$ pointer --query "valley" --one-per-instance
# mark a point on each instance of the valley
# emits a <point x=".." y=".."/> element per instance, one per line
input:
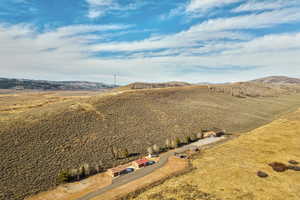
<point x="38" y="142"/>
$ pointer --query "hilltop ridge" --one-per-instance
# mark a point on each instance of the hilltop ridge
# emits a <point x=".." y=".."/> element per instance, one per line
<point x="20" y="84"/>
<point x="144" y="85"/>
<point x="277" y="80"/>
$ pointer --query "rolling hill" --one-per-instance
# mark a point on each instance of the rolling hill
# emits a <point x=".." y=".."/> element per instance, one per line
<point x="141" y="85"/>
<point x="40" y="142"/>
<point x="21" y="84"/>
<point x="278" y="80"/>
<point x="229" y="170"/>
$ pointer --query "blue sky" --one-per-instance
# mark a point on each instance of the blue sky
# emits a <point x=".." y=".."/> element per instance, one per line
<point x="149" y="40"/>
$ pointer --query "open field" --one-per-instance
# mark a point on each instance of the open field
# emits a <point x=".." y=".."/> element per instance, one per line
<point x="13" y="102"/>
<point x="39" y="142"/>
<point x="75" y="190"/>
<point x="228" y="171"/>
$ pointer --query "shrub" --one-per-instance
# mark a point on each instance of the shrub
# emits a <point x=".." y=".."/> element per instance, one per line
<point x="64" y="177"/>
<point x="278" y="167"/>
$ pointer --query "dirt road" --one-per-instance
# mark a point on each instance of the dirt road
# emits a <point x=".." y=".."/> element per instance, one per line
<point x="147" y="170"/>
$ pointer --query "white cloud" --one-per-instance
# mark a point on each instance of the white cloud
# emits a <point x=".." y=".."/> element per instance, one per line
<point x="180" y="40"/>
<point x="211" y="30"/>
<point x="179" y="10"/>
<point x="269" y="43"/>
<point x="100" y="8"/>
<point x="204" y="5"/>
<point x="255" y="5"/>
<point x="253" y="21"/>
<point x="66" y="51"/>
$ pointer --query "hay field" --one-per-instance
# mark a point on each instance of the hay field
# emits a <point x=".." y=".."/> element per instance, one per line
<point x="228" y="171"/>
<point x="37" y="143"/>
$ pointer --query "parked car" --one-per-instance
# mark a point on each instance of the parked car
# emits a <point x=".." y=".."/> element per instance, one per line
<point x="151" y="162"/>
<point x="127" y="170"/>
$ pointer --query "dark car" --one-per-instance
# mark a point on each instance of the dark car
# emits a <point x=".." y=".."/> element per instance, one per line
<point x="127" y="171"/>
<point x="151" y="162"/>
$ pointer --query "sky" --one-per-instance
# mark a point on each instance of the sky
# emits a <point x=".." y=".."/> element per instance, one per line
<point x="149" y="40"/>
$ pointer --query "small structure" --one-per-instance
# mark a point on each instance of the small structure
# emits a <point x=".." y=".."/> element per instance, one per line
<point x="214" y="132"/>
<point x="140" y="163"/>
<point x="117" y="171"/>
<point x="152" y="155"/>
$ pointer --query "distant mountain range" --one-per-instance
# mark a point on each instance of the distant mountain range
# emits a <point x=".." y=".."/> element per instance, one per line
<point x="277" y="80"/>
<point x="20" y="84"/>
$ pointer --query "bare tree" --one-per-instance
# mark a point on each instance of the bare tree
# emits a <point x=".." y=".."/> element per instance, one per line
<point x="150" y="150"/>
<point x="187" y="139"/>
<point x="156" y="148"/>
<point x="124" y="153"/>
<point x="81" y="173"/>
<point x="168" y="143"/>
<point x="87" y="169"/>
<point x="178" y="141"/>
<point x="193" y="137"/>
<point x="74" y="174"/>
<point x="175" y="143"/>
<point x="114" y="151"/>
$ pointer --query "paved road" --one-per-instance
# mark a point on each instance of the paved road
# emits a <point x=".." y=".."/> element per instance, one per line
<point x="122" y="180"/>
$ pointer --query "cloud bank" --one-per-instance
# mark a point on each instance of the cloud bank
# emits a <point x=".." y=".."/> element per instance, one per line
<point x="222" y="48"/>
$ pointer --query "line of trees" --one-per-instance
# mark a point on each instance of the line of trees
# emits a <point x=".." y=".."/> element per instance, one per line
<point x="77" y="174"/>
<point x="86" y="170"/>
<point x="175" y="143"/>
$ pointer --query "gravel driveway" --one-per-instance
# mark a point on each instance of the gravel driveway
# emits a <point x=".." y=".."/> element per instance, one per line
<point x="122" y="180"/>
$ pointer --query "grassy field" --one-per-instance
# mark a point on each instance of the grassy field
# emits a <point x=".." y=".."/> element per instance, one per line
<point x="228" y="171"/>
<point x="37" y="142"/>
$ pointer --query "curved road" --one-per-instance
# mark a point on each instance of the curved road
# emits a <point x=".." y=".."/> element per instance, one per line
<point x="122" y="180"/>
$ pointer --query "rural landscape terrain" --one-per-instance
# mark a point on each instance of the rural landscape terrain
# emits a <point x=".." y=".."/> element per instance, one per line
<point x="229" y="170"/>
<point x="45" y="132"/>
<point x="149" y="100"/>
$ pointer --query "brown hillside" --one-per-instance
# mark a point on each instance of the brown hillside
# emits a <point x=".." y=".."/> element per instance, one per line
<point x="140" y="85"/>
<point x="229" y="170"/>
<point x="38" y="143"/>
<point x="278" y="80"/>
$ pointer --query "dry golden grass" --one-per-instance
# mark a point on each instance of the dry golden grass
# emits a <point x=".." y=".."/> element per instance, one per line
<point x="75" y="190"/>
<point x="228" y="171"/>
<point x="40" y="142"/>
